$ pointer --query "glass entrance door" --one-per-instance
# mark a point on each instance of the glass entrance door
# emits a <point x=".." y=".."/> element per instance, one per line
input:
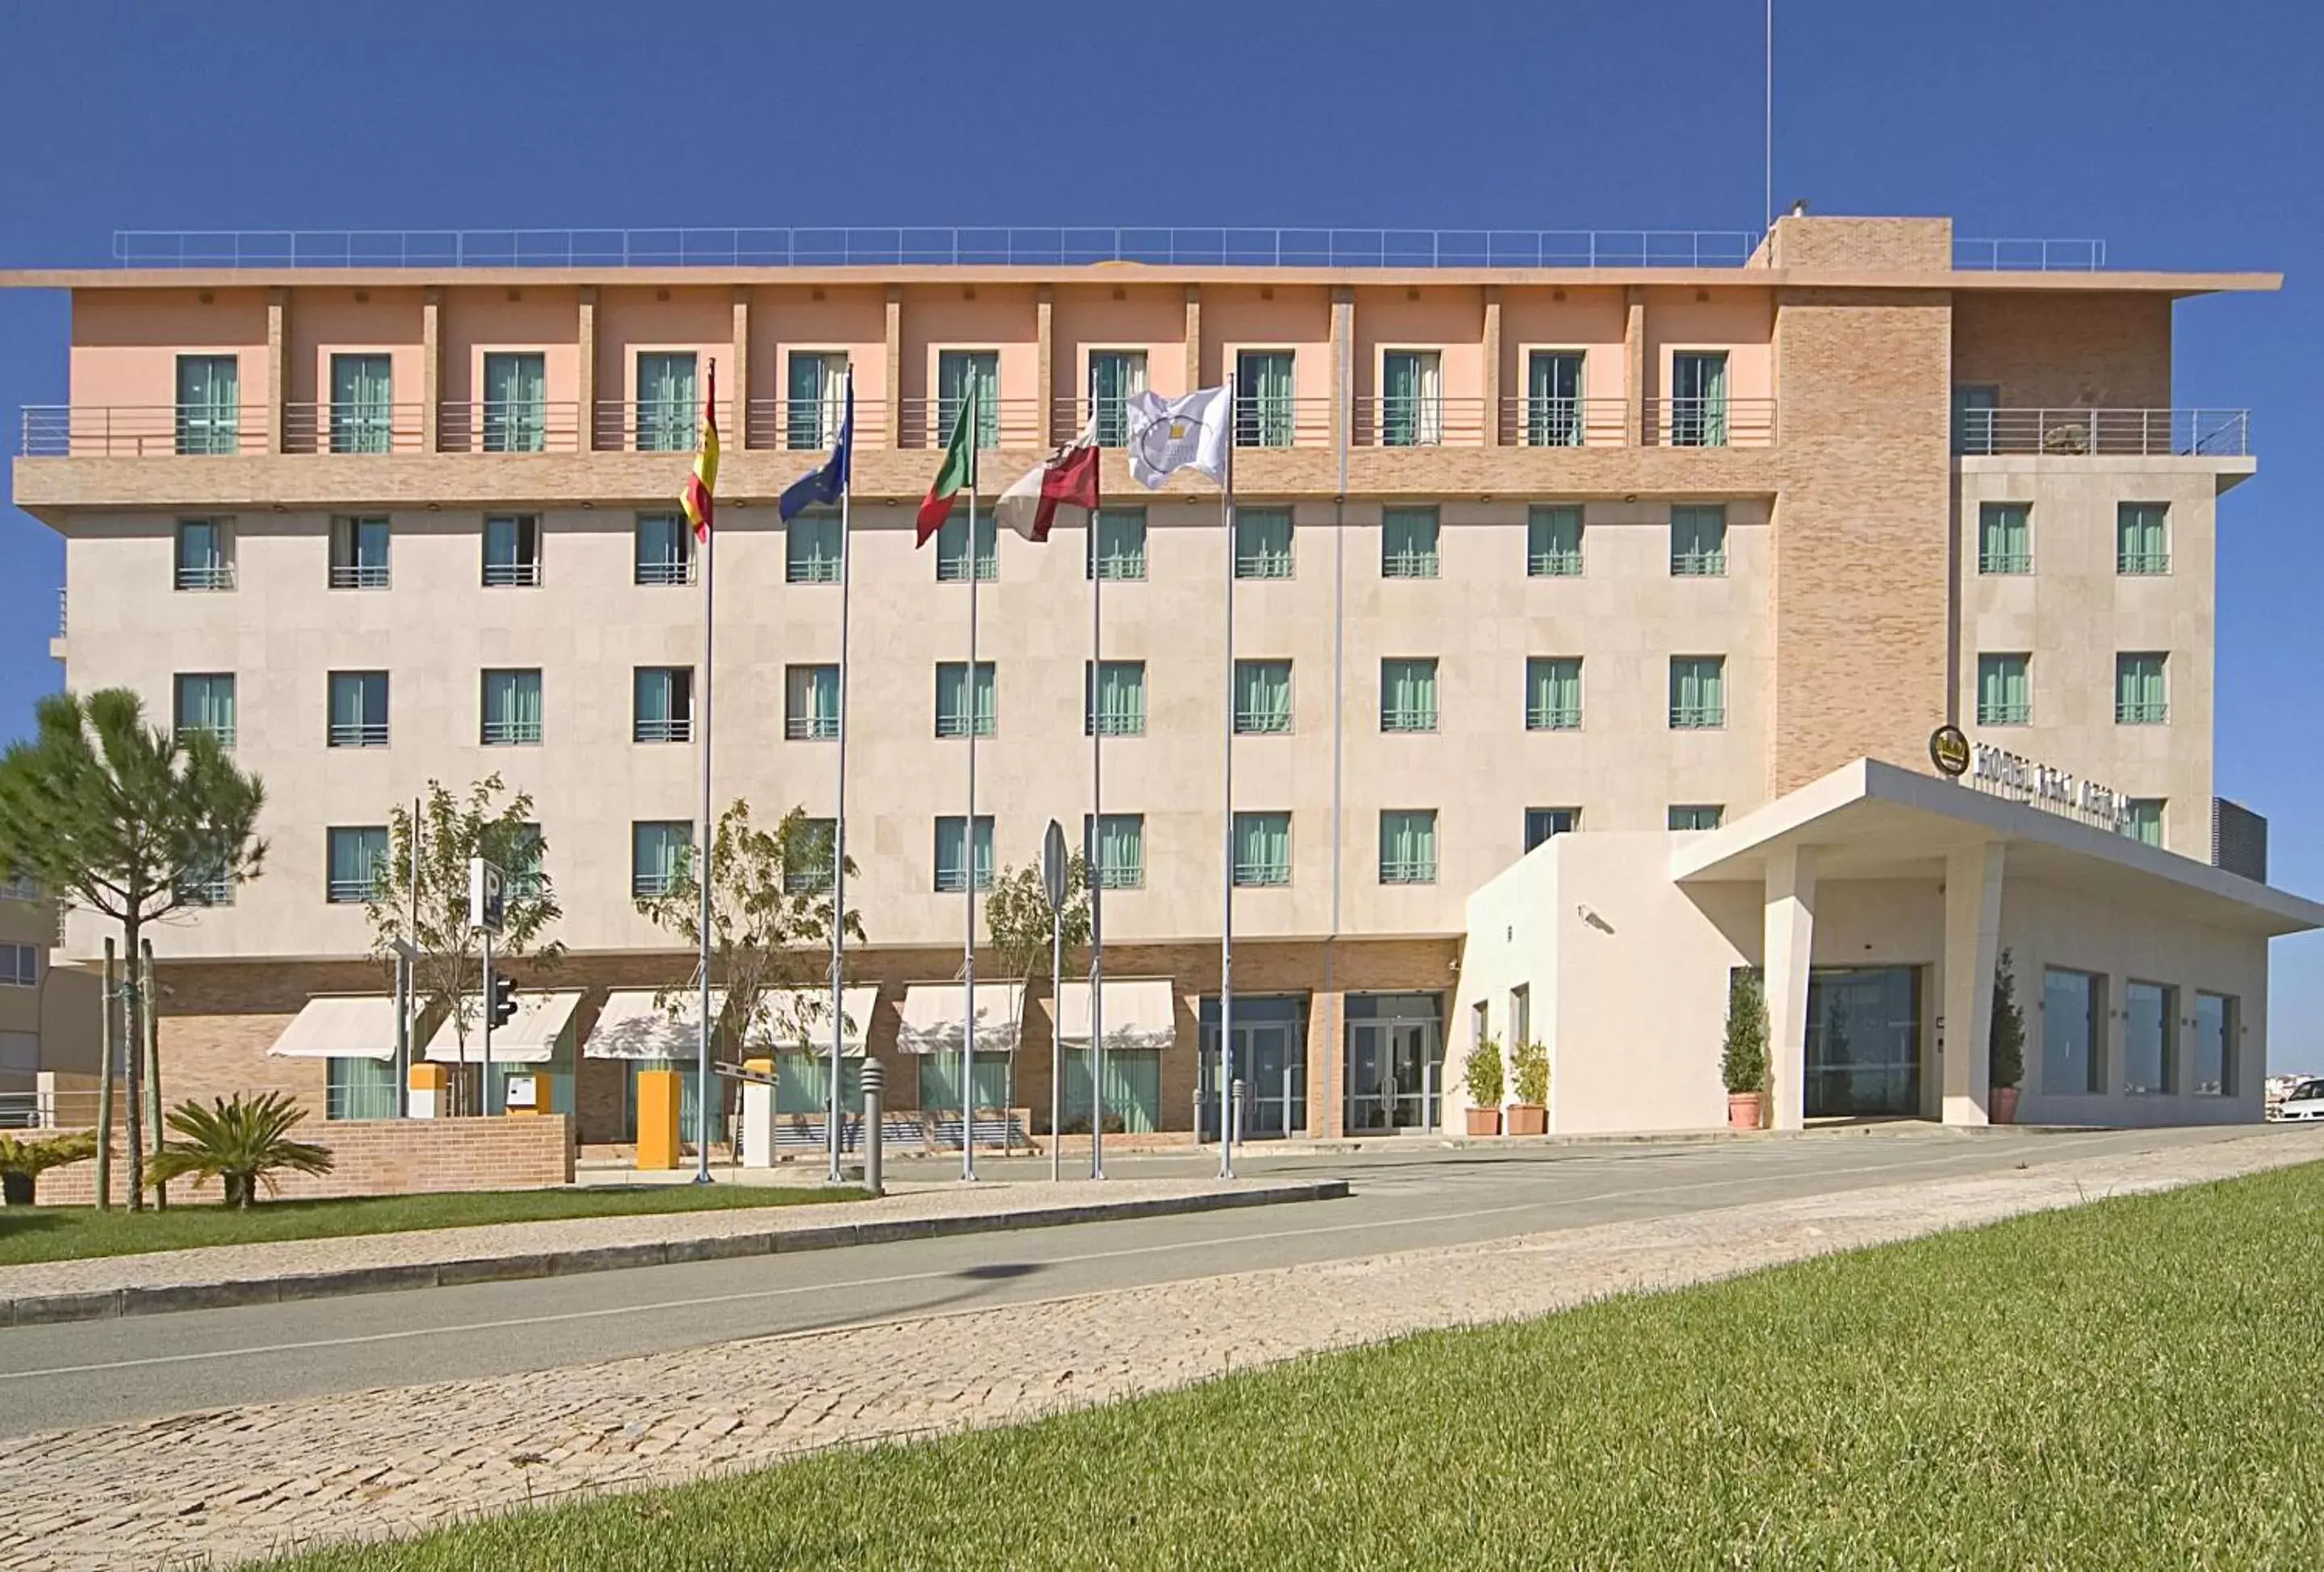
<point x="1395" y="1062"/>
<point x="1864" y="1042"/>
<point x="1271" y="1059"/>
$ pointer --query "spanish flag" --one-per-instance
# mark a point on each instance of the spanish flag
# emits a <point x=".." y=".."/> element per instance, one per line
<point x="704" y="481"/>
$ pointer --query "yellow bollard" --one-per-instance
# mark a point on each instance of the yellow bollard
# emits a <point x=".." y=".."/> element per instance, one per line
<point x="428" y="1083"/>
<point x="659" y="1094"/>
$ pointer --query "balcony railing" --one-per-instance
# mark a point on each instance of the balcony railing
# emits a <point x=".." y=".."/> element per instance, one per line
<point x="664" y="571"/>
<point x="358" y="735"/>
<point x="1530" y="422"/>
<point x="359" y="576"/>
<point x="1407" y="870"/>
<point x="2104" y="433"/>
<point x="142" y="431"/>
<point x="674" y="729"/>
<point x="365" y="428"/>
<point x="500" y="575"/>
<point x="1709" y="423"/>
<point x="809" y="425"/>
<point x="1408" y="718"/>
<point x="811" y="727"/>
<point x="509" y="426"/>
<point x="511" y="733"/>
<point x="205" y="575"/>
<point x="1002" y="423"/>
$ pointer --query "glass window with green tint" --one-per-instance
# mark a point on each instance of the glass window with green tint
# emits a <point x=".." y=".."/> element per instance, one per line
<point x="209" y="404"/>
<point x="810" y="869"/>
<point x="512" y="708"/>
<point x="1118" y="545"/>
<point x="2142" y="539"/>
<point x="1264" y="410"/>
<point x="1262" y="543"/>
<point x="662" y="704"/>
<point x="661" y="850"/>
<point x="960" y="373"/>
<point x="1697" y="541"/>
<point x="359" y="1088"/>
<point x="513" y="552"/>
<point x="1553" y="399"/>
<point x="358" y="709"/>
<point x="803" y="1083"/>
<point x="2005" y="538"/>
<point x="1698" y="405"/>
<point x="1114" y="698"/>
<point x="2149" y="1039"/>
<point x="2143" y="820"/>
<point x="1262" y="849"/>
<point x="1262" y="701"/>
<point x="665" y="410"/>
<point x="665" y="549"/>
<point x="1553" y="542"/>
<point x="953" y="707"/>
<point x="811" y="703"/>
<point x="359" y="554"/>
<point x="524" y="857"/>
<point x="1408" y="694"/>
<point x="204" y="703"/>
<point x="1698" y="692"/>
<point x="1115" y="844"/>
<point x="1553" y="693"/>
<point x="2005" y="690"/>
<point x="1542" y="823"/>
<point x="952" y="550"/>
<point x="1974" y="406"/>
<point x="2213" y="1047"/>
<point x="1696" y="815"/>
<point x="357" y="858"/>
<point x="205" y="555"/>
<point x="1408" y="846"/>
<point x="952" y="855"/>
<point x="939" y="1080"/>
<point x="2140" y="695"/>
<point x="1412" y="400"/>
<point x="363" y="404"/>
<point x="1133" y="1091"/>
<point x="1116" y="374"/>
<point x="811" y="546"/>
<point x="1409" y="543"/>
<point x="515" y="412"/>
<point x="818" y="404"/>
<point x="2073" y="1033"/>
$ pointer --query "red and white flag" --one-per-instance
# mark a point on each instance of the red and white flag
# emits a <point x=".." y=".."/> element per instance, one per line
<point x="1068" y="478"/>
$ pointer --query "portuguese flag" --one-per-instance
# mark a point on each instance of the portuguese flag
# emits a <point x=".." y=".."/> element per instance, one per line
<point x="957" y="474"/>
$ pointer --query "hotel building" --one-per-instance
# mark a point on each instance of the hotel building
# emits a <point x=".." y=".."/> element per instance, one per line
<point x="1593" y="617"/>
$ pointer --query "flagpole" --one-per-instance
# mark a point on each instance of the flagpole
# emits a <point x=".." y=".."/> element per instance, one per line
<point x="703" y="876"/>
<point x="839" y="808"/>
<point x="968" y="842"/>
<point x="1226" y="932"/>
<point x="1097" y="827"/>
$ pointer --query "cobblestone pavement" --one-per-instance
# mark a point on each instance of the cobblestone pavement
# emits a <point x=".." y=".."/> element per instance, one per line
<point x="248" y="1482"/>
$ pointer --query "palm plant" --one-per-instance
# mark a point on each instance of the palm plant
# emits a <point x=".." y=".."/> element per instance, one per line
<point x="240" y="1144"/>
<point x="21" y="1163"/>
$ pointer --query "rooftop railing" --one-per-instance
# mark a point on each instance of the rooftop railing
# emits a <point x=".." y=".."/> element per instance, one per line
<point x="2120" y="433"/>
<point x="2030" y="256"/>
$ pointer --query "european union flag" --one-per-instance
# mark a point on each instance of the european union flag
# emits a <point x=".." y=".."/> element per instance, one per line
<point x="823" y="487"/>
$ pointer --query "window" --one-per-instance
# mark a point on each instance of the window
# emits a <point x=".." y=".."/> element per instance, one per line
<point x="2004" y="538"/>
<point x="20" y="966"/>
<point x="1553" y="693"/>
<point x="665" y="549"/>
<point x="1541" y="823"/>
<point x="1114" y="698"/>
<point x="2140" y="698"/>
<point x="358" y="709"/>
<point x="1973" y="409"/>
<point x="2142" y="539"/>
<point x="1262" y="543"/>
<point x="1262" y="850"/>
<point x="209" y="404"/>
<point x="1409" y="695"/>
<point x="818" y="404"/>
<point x="1408" y="538"/>
<point x="204" y="703"/>
<point x="2143" y="820"/>
<point x="1553" y="399"/>
<point x="17" y="886"/>
<point x="1696" y="815"/>
<point x="812" y="868"/>
<point x="2150" y="1031"/>
<point x="952" y="855"/>
<point x="810" y="703"/>
<point x="524" y="861"/>
<point x="666" y="404"/>
<point x="1118" y="542"/>
<point x="2005" y="690"/>
<point x="1698" y="692"/>
<point x="811" y="546"/>
<point x="663" y="705"/>
<point x="660" y="852"/>
<point x="1698" y="413"/>
<point x="359" y="554"/>
<point x="1115" y="846"/>
<point x="1553" y="543"/>
<point x="205" y="554"/>
<point x="1262" y="701"/>
<point x="20" y="1055"/>
<point x="960" y="373"/>
<point x="516" y="404"/>
<point x="1116" y="374"/>
<point x="363" y="405"/>
<point x="512" y="708"/>
<point x="1263" y="406"/>
<point x="953" y="699"/>
<point x="2073" y="1033"/>
<point x="357" y="858"/>
<point x="513" y="551"/>
<point x="1698" y="542"/>
<point x="1412" y="399"/>
<point x="205" y="885"/>
<point x="1407" y="852"/>
<point x="952" y="550"/>
<point x="359" y="1088"/>
<point x="2215" y="1029"/>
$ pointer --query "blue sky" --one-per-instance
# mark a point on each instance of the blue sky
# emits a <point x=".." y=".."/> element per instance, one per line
<point x="2184" y="138"/>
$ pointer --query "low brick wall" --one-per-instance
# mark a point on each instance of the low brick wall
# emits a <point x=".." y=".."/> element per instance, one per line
<point x="382" y="1157"/>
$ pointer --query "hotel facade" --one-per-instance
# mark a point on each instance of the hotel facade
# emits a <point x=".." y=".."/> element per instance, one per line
<point x="1592" y="621"/>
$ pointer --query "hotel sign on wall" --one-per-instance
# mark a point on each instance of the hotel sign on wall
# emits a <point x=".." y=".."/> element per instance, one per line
<point x="2027" y="780"/>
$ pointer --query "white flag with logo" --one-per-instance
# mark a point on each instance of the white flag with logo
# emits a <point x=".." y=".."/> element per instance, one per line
<point x="1168" y="435"/>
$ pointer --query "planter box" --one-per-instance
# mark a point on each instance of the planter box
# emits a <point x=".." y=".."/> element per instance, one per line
<point x="1528" y="1119"/>
<point x="1484" y="1121"/>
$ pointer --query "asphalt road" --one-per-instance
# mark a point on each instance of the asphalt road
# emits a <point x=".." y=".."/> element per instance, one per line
<point x="95" y="1372"/>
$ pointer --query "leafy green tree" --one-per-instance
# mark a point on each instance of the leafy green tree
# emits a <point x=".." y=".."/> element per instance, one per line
<point x="1017" y="914"/>
<point x="447" y="979"/>
<point x="1743" y="1062"/>
<point x="241" y="1143"/>
<point x="2008" y="1051"/>
<point x="133" y="823"/>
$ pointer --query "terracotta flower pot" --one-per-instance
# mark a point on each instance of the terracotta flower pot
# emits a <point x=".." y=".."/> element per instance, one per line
<point x="1745" y="1110"/>
<point x="1528" y="1119"/>
<point x="2003" y="1109"/>
<point x="1484" y="1121"/>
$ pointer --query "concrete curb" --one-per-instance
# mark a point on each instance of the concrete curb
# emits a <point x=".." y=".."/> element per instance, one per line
<point x="47" y="1309"/>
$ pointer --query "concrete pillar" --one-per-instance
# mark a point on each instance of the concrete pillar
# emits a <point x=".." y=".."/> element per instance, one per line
<point x="1327" y="1035"/>
<point x="739" y="414"/>
<point x="658" y="1101"/>
<point x="1789" y="941"/>
<point x="1634" y="363"/>
<point x="1344" y="348"/>
<point x="278" y="386"/>
<point x="1972" y="946"/>
<point x="431" y="370"/>
<point x="758" y="1117"/>
<point x="585" y="384"/>
<point x="895" y="367"/>
<point x="1193" y="336"/>
<point x="1492" y="436"/>
<point x="1045" y="365"/>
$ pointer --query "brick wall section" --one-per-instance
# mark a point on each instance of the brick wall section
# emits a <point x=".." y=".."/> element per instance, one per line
<point x="2065" y="350"/>
<point x="1865" y="245"/>
<point x="385" y="1157"/>
<point x="1860" y="586"/>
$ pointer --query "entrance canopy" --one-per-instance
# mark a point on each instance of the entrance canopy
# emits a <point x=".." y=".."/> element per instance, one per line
<point x="531" y="1038"/>
<point x="798" y="1020"/>
<point x="632" y="1025"/>
<point x="340" y="1027"/>
<point x="931" y="1023"/>
<point x="1140" y="1014"/>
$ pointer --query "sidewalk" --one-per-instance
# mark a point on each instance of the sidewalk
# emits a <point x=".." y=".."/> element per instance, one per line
<point x="217" y="1276"/>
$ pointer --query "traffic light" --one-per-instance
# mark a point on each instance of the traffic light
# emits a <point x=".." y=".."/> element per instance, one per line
<point x="503" y="1001"/>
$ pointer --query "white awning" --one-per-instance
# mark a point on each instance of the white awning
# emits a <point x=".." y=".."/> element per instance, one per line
<point x="531" y="1038"/>
<point x="341" y="1026"/>
<point x="786" y="1015"/>
<point x="1141" y="1013"/>
<point x="632" y="1026"/>
<point x="932" y="1017"/>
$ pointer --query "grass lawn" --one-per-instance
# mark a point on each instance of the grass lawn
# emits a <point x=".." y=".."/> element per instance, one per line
<point x="2123" y="1385"/>
<point x="70" y="1233"/>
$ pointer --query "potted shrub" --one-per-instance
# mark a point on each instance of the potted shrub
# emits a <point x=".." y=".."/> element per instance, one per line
<point x="1743" y="1064"/>
<point x="21" y="1163"/>
<point x="2008" y="1065"/>
<point x="1529" y="1069"/>
<point x="1481" y="1078"/>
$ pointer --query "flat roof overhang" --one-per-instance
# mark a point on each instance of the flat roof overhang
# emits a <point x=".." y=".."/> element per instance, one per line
<point x="1871" y="820"/>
